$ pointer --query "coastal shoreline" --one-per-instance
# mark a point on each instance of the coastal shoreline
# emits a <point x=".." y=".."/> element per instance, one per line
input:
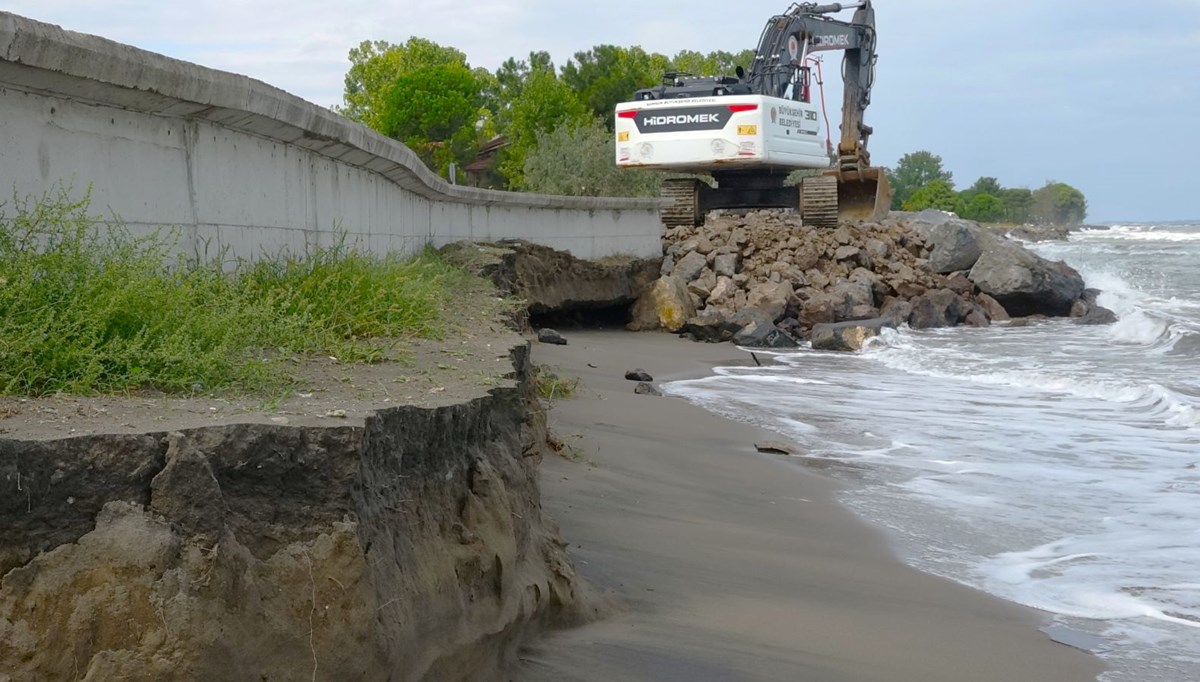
<point x="717" y="562"/>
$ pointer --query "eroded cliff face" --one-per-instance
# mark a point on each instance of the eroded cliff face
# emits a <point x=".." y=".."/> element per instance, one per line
<point x="410" y="547"/>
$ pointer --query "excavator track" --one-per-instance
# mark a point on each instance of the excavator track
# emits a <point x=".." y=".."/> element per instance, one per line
<point x="819" y="201"/>
<point x="684" y="209"/>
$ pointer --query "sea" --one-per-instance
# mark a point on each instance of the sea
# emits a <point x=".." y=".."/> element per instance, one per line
<point x="1053" y="465"/>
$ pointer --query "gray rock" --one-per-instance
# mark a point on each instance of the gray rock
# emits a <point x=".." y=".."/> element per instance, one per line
<point x="551" y="337"/>
<point x="722" y="291"/>
<point x="956" y="246"/>
<point x="774" y="447"/>
<point x="771" y="298"/>
<point x="689" y="267"/>
<point x="959" y="284"/>
<point x="667" y="305"/>
<point x="1025" y="283"/>
<point x="1097" y="315"/>
<point x="877" y="249"/>
<point x="703" y="285"/>
<point x="846" y="296"/>
<point x="711" y="327"/>
<point x="924" y="222"/>
<point x="896" y="310"/>
<point x="748" y="316"/>
<point x="819" y="309"/>
<point x="846" y="252"/>
<point x="638" y="374"/>
<point x="756" y="335"/>
<point x="647" y="389"/>
<point x="727" y="264"/>
<point x="977" y="318"/>
<point x="668" y="266"/>
<point x="847" y="336"/>
<point x="937" y="308"/>
<point x="863" y="312"/>
<point x="992" y="307"/>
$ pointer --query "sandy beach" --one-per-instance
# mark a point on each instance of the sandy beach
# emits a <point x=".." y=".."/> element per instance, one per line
<point x="720" y="563"/>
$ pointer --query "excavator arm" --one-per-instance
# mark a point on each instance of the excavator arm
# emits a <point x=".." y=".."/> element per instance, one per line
<point x="781" y="62"/>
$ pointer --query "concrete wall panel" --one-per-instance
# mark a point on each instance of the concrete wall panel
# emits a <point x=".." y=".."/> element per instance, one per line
<point x="240" y="166"/>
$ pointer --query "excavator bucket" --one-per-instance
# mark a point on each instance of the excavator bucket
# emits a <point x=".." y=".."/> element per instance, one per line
<point x="863" y="195"/>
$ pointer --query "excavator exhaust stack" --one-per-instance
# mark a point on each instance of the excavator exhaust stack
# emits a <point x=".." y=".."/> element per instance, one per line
<point x="863" y="194"/>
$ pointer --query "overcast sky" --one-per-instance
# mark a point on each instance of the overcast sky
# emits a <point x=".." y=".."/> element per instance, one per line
<point x="1097" y="93"/>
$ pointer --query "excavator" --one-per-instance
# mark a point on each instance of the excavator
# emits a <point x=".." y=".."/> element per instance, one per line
<point x="749" y="131"/>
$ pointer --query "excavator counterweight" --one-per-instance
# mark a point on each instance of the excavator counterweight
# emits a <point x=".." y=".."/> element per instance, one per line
<point x="750" y="131"/>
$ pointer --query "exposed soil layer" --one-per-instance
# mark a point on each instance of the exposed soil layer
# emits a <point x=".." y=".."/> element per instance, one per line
<point x="378" y="522"/>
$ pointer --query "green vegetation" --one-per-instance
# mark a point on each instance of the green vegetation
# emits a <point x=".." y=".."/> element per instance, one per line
<point x="550" y="385"/>
<point x="938" y="194"/>
<point x="87" y="307"/>
<point x="914" y="171"/>
<point x="578" y="161"/>
<point x="427" y="96"/>
<point x="919" y="182"/>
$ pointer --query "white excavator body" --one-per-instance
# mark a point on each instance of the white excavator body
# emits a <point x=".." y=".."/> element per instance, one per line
<point x="705" y="134"/>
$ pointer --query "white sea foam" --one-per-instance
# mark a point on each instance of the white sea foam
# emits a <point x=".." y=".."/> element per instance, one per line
<point x="1054" y="465"/>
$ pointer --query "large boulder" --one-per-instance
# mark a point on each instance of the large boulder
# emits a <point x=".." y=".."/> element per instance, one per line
<point x="1025" y="283"/>
<point x="847" y="336"/>
<point x="849" y="299"/>
<point x="937" y="308"/>
<point x="771" y="298"/>
<point x="819" y="309"/>
<point x="763" y="335"/>
<point x="956" y="246"/>
<point x="992" y="307"/>
<point x="711" y="327"/>
<point x="667" y="305"/>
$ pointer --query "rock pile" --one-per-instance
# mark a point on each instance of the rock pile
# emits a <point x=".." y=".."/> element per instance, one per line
<point x="765" y="279"/>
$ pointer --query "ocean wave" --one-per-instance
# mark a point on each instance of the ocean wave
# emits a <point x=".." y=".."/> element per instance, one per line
<point x="1144" y="233"/>
<point x="1095" y="584"/>
<point x="1173" y="409"/>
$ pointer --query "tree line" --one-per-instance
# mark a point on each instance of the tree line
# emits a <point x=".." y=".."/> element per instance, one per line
<point x="557" y="125"/>
<point x="555" y="120"/>
<point x="919" y="182"/>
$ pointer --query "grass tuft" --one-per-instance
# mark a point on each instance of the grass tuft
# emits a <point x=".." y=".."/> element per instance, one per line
<point x="550" y="385"/>
<point x="87" y="307"/>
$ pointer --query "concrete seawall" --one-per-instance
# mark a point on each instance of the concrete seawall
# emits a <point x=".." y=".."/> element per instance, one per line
<point x="243" y="166"/>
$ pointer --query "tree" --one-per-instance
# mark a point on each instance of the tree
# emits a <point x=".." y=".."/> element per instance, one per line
<point x="545" y="103"/>
<point x="1060" y="204"/>
<point x="511" y="78"/>
<point x="984" y="185"/>
<point x="375" y="67"/>
<point x="1018" y="204"/>
<point x="433" y="110"/>
<point x="914" y="171"/>
<point x="607" y="75"/>
<point x="577" y="160"/>
<point x="695" y="63"/>
<point x="938" y="194"/>
<point x="984" y="208"/>
<point x="718" y="63"/>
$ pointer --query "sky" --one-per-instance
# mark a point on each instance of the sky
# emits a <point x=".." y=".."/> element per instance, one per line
<point x="1096" y="93"/>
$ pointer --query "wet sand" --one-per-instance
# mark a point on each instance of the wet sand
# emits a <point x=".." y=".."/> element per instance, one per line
<point x="721" y="563"/>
